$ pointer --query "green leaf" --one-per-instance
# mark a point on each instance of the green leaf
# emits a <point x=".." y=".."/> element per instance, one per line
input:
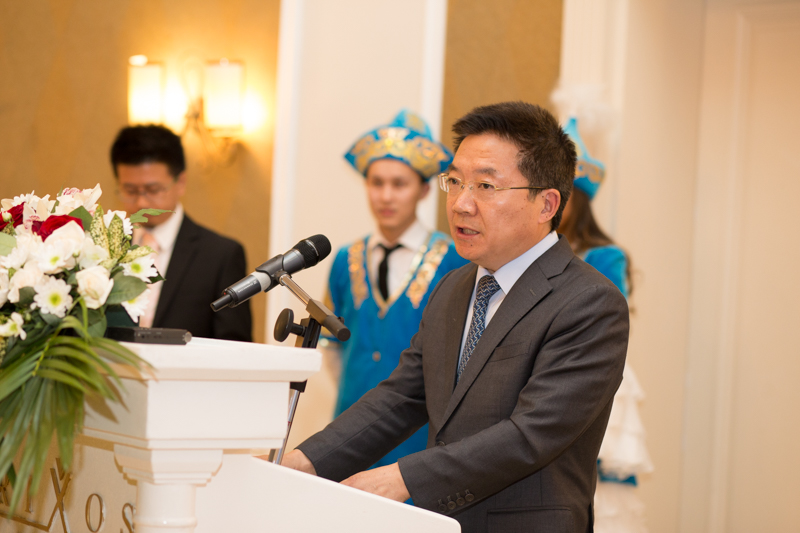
<point x="84" y="215"/>
<point x="26" y="295"/>
<point x="135" y="253"/>
<point x="116" y="238"/>
<point x="140" y="217"/>
<point x="157" y="278"/>
<point x="98" y="229"/>
<point x="125" y="288"/>
<point x="53" y="320"/>
<point x="7" y="243"/>
<point x="97" y="323"/>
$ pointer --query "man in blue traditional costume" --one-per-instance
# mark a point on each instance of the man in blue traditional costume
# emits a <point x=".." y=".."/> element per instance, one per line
<point x="381" y="283"/>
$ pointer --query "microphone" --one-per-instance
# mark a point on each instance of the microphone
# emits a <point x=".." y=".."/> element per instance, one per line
<point x="304" y="254"/>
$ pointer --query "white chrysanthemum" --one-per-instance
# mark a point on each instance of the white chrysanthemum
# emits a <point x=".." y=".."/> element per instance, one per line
<point x="54" y="256"/>
<point x="94" y="285"/>
<point x="3" y="286"/>
<point x="29" y="276"/>
<point x="12" y="327"/>
<point x="8" y="203"/>
<point x="52" y="296"/>
<point x="27" y="243"/>
<point x="142" y="268"/>
<point x="71" y="199"/>
<point x="91" y="254"/>
<point x="126" y="223"/>
<point x="137" y="306"/>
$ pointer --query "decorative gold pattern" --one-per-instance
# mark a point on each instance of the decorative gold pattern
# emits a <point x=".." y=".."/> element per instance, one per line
<point x="423" y="155"/>
<point x="590" y="171"/>
<point x="358" y="272"/>
<point x="418" y="288"/>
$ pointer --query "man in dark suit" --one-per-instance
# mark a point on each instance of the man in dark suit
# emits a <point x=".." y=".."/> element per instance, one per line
<point x="517" y="358"/>
<point x="197" y="263"/>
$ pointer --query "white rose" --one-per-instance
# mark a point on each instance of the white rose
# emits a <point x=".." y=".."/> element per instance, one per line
<point x="70" y="233"/>
<point x="91" y="254"/>
<point x="94" y="285"/>
<point x="29" y="276"/>
<point x="12" y="327"/>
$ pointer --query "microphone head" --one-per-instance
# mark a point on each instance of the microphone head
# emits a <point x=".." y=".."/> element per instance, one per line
<point x="314" y="249"/>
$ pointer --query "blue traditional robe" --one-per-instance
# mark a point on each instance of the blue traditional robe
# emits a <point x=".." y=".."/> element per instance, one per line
<point x="612" y="262"/>
<point x="380" y="329"/>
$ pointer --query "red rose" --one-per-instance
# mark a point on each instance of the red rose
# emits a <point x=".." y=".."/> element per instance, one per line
<point x="16" y="214"/>
<point x="53" y="222"/>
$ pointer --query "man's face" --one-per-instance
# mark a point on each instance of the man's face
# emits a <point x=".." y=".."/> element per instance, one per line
<point x="149" y="185"/>
<point x="492" y="233"/>
<point x="393" y="189"/>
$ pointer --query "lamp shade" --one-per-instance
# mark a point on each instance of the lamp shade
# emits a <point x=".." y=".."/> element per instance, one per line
<point x="223" y="90"/>
<point x="145" y="83"/>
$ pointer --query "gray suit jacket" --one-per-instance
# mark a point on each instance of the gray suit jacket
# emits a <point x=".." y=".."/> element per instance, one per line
<point x="512" y="447"/>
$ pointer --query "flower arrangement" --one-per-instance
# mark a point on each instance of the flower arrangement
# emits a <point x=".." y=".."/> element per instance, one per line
<point x="64" y="265"/>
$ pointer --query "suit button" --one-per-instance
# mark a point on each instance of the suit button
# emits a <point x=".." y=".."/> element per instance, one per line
<point x="440" y="443"/>
<point x="450" y="504"/>
<point x="442" y="507"/>
<point x="376" y="356"/>
<point x="469" y="497"/>
<point x="459" y="499"/>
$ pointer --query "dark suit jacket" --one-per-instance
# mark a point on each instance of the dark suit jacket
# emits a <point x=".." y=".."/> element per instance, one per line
<point x="514" y="446"/>
<point x="202" y="265"/>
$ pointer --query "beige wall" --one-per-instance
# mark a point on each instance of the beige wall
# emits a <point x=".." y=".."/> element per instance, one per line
<point x="498" y="51"/>
<point x="63" y="97"/>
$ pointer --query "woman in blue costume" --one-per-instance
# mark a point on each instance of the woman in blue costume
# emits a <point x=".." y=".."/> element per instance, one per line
<point x="623" y="454"/>
<point x="380" y="284"/>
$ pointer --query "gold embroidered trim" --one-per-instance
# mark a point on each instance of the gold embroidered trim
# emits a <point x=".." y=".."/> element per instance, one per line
<point x="384" y="305"/>
<point x="418" y="288"/>
<point x="358" y="273"/>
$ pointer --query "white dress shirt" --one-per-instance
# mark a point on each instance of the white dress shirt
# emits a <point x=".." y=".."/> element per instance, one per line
<point x="165" y="235"/>
<point x="400" y="260"/>
<point x="506" y="276"/>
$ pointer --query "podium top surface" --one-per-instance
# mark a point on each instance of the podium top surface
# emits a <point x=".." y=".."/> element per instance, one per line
<point x="214" y="359"/>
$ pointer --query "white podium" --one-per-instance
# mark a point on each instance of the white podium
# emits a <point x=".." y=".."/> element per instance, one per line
<point x="176" y="456"/>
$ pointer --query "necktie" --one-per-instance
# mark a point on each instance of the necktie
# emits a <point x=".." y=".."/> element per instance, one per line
<point x="487" y="286"/>
<point x="145" y="238"/>
<point x="383" y="270"/>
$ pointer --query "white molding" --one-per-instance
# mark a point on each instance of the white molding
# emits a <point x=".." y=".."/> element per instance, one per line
<point x="726" y="355"/>
<point x="284" y="160"/>
<point x="433" y="57"/>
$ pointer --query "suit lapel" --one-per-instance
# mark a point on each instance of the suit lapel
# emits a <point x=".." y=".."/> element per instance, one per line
<point x="182" y="256"/>
<point x="528" y="291"/>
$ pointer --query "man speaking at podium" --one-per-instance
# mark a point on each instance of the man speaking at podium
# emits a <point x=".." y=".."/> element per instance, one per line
<point x="517" y="357"/>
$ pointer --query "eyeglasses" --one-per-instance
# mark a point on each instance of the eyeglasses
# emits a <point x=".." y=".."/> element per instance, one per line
<point x="150" y="191"/>
<point x="481" y="190"/>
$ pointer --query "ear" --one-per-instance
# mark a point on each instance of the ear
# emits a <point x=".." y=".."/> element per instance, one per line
<point x="180" y="184"/>
<point x="552" y="199"/>
<point x="426" y="188"/>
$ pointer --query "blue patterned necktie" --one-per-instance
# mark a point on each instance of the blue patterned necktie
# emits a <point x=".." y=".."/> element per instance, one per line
<point x="487" y="286"/>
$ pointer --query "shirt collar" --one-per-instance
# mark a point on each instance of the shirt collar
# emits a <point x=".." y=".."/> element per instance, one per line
<point x="508" y="274"/>
<point x="413" y="238"/>
<point x="166" y="233"/>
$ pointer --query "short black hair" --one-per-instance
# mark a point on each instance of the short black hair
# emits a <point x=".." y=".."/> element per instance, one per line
<point x="547" y="156"/>
<point x="136" y="145"/>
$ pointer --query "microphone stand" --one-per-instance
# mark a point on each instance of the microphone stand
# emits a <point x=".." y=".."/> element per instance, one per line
<point x="307" y="332"/>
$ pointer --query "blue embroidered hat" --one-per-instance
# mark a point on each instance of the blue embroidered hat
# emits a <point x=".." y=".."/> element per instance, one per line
<point x="589" y="172"/>
<point x="407" y="139"/>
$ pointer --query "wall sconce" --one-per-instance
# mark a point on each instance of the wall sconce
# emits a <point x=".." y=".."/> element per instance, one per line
<point x="223" y="90"/>
<point x="211" y="103"/>
<point x="145" y="85"/>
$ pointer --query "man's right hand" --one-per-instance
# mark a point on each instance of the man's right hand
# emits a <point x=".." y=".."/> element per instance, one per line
<point x="297" y="460"/>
